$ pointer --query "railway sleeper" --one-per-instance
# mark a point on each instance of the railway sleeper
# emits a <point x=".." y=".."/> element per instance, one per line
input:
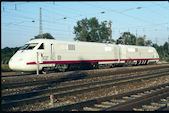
<point x="118" y="100"/>
<point x="135" y="96"/>
<point x="138" y="109"/>
<point x="161" y="104"/>
<point x="109" y="103"/>
<point x="150" y="107"/>
<point x="128" y="97"/>
<point x="102" y="105"/>
<point x="164" y="100"/>
<point x="140" y="94"/>
<point x="154" y="106"/>
<point x="91" y="109"/>
<point x="147" y="92"/>
<point x="152" y="90"/>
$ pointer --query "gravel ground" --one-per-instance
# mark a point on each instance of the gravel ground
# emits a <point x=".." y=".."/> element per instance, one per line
<point x="93" y="94"/>
<point x="8" y="73"/>
<point x="84" y="96"/>
<point x="73" y="82"/>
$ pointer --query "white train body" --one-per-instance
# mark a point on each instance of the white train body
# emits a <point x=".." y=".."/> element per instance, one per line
<point x="53" y="52"/>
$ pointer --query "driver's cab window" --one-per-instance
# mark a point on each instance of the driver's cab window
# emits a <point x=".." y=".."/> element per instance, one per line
<point x="29" y="46"/>
<point x="41" y="46"/>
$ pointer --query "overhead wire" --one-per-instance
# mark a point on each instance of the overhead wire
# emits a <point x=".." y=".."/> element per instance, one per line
<point x="149" y="9"/>
<point x="30" y="27"/>
<point x="56" y="19"/>
<point x="70" y="17"/>
<point x="117" y="12"/>
<point x="160" y="5"/>
<point x="23" y="17"/>
<point x="19" y="15"/>
<point x="121" y="13"/>
<point x="148" y="6"/>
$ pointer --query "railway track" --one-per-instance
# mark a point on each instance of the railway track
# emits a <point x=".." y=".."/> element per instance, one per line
<point x="58" y="80"/>
<point x="157" y="98"/>
<point x="142" y="68"/>
<point x="21" y="99"/>
<point x="15" y="74"/>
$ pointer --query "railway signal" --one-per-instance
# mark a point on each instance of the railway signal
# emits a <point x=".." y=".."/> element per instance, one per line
<point x="51" y="100"/>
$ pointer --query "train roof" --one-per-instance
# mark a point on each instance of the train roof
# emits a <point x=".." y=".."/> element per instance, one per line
<point x="51" y="40"/>
<point x="81" y="42"/>
<point x="135" y="46"/>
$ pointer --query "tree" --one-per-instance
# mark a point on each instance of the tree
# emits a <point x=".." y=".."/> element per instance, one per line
<point x="127" y="38"/>
<point x="91" y="31"/>
<point x="120" y="41"/>
<point x="162" y="51"/>
<point x="165" y="49"/>
<point x="140" y="41"/>
<point x="148" y="43"/>
<point x="45" y="35"/>
<point x="7" y="53"/>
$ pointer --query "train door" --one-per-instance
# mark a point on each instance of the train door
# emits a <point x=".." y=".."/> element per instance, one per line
<point x="52" y="52"/>
<point x="116" y="53"/>
<point x="41" y="53"/>
<point x="122" y="53"/>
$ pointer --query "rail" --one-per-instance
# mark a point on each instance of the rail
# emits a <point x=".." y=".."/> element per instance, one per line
<point x="42" y="95"/>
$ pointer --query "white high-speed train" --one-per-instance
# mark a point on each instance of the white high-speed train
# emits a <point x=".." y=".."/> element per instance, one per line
<point x="54" y="54"/>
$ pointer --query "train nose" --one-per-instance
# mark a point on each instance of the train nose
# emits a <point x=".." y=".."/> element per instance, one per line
<point x="11" y="64"/>
<point x="14" y="64"/>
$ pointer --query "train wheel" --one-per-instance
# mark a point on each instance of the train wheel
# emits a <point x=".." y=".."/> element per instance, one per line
<point x="146" y="62"/>
<point x="44" y="71"/>
<point x="61" y="67"/>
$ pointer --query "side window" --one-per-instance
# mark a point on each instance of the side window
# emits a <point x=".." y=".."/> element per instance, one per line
<point x="71" y="47"/>
<point x="41" y="46"/>
<point x="136" y="49"/>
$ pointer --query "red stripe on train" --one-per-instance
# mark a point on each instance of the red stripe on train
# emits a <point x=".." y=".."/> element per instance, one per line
<point x="88" y="61"/>
<point x="70" y="62"/>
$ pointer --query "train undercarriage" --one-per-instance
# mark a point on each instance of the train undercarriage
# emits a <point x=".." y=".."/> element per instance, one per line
<point x="87" y="66"/>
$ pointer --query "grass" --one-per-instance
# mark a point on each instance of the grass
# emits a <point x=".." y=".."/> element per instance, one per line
<point x="5" y="68"/>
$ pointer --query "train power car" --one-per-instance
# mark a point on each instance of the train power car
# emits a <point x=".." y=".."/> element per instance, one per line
<point x="61" y="55"/>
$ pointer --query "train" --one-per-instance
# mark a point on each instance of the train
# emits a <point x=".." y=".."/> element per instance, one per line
<point x="51" y="54"/>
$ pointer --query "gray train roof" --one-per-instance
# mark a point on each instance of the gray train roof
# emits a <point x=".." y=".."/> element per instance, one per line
<point x="51" y="40"/>
<point x="135" y="46"/>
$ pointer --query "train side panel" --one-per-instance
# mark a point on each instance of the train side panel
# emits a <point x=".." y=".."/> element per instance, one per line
<point x="89" y="52"/>
<point x="139" y="54"/>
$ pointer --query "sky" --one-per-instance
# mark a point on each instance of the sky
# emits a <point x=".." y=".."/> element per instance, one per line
<point x="20" y="20"/>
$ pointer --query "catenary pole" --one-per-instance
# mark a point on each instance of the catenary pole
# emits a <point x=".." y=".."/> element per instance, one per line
<point x="40" y="24"/>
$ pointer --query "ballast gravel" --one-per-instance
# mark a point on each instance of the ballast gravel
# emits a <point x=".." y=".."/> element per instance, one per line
<point x="92" y="94"/>
<point x="72" y="82"/>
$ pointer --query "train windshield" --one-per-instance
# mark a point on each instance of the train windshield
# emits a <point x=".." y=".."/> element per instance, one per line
<point x="29" y="46"/>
